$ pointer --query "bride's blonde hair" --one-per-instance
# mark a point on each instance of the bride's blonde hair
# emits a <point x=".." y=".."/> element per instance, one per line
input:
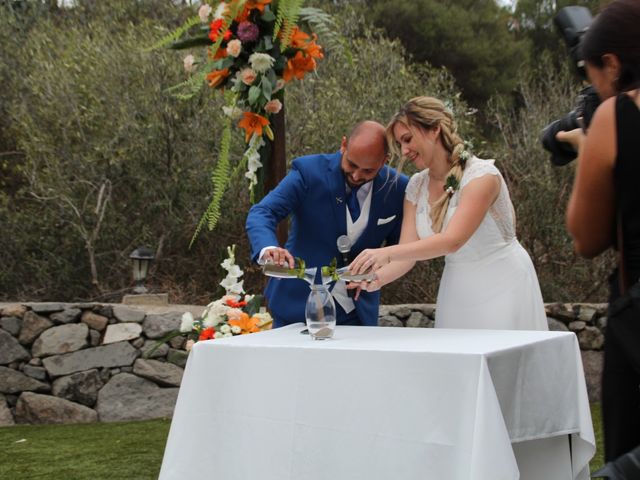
<point x="428" y="113"/>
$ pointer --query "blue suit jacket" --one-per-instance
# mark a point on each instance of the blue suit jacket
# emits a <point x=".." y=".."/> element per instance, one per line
<point x="313" y="193"/>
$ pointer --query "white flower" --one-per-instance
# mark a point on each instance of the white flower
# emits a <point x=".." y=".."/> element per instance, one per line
<point x="261" y="62"/>
<point x="236" y="330"/>
<point x="234" y="113"/>
<point x="203" y="12"/>
<point x="234" y="271"/>
<point x="187" y="322"/>
<point x="225" y="328"/>
<point x="219" y="13"/>
<point x="188" y="63"/>
<point x="231" y="286"/>
<point x="218" y="335"/>
<point x="228" y="334"/>
<point x="248" y="298"/>
<point x="214" y="314"/>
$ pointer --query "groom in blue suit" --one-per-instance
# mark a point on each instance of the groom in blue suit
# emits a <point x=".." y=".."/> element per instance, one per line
<point x="351" y="192"/>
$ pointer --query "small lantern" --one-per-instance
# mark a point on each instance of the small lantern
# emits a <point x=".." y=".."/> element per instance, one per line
<point x="141" y="257"/>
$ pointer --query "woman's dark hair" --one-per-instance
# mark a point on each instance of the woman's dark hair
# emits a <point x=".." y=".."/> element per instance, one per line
<point x="616" y="30"/>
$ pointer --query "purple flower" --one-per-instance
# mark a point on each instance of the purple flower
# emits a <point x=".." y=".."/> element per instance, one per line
<point x="248" y="32"/>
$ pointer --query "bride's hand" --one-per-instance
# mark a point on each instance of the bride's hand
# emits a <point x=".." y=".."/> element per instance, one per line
<point x="371" y="286"/>
<point x="371" y="259"/>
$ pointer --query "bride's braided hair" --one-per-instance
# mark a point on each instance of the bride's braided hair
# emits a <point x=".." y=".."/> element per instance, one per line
<point x="428" y="113"/>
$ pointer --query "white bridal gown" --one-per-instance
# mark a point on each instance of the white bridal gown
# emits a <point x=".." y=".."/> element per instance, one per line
<point x="490" y="282"/>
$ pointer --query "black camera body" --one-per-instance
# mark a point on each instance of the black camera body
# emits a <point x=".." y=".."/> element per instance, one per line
<point x="572" y="22"/>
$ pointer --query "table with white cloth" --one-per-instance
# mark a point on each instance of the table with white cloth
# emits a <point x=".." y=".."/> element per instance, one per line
<point x="382" y="403"/>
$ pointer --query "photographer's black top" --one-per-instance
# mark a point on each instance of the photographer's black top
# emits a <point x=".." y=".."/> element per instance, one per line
<point x="627" y="184"/>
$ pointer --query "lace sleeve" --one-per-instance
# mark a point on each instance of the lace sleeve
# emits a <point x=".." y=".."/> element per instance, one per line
<point x="478" y="168"/>
<point x="413" y="187"/>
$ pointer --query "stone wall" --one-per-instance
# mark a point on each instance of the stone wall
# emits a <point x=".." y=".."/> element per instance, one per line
<point x="72" y="363"/>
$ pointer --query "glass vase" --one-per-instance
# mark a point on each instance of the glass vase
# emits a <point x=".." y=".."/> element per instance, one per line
<point x="320" y="313"/>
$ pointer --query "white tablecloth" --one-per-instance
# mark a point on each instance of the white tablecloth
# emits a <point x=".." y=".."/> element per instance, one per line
<point x="379" y="403"/>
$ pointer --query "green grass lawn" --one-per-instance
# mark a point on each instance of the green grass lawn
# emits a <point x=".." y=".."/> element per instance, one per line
<point x="110" y="450"/>
<point x="89" y="451"/>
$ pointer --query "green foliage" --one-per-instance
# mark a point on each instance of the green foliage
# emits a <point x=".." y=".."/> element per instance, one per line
<point x="172" y="38"/>
<point x="323" y="25"/>
<point x="286" y="19"/>
<point x="539" y="190"/>
<point x="533" y="20"/>
<point x="470" y="38"/>
<point x="220" y="178"/>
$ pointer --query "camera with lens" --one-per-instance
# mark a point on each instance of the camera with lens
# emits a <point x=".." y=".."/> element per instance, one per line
<point x="572" y="22"/>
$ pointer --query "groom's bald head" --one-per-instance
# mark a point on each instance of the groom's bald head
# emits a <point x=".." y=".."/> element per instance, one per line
<point x="364" y="153"/>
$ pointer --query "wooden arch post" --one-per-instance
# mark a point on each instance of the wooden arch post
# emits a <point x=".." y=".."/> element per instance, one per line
<point x="276" y="167"/>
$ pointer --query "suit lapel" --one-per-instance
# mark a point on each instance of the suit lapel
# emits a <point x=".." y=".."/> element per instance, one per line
<point x="338" y="193"/>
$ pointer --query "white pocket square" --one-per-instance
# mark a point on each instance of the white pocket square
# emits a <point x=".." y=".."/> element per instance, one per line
<point x="382" y="221"/>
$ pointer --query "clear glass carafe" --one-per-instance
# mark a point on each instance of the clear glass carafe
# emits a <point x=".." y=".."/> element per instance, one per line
<point x="320" y="313"/>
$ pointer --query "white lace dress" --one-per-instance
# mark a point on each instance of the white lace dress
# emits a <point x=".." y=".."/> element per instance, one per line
<point x="490" y="282"/>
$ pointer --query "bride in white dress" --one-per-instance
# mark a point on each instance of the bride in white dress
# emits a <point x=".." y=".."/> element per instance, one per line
<point x="457" y="206"/>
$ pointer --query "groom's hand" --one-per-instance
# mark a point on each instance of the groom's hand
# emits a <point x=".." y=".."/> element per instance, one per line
<point x="278" y="256"/>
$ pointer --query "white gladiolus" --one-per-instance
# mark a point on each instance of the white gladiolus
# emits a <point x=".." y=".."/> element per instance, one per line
<point x="186" y="325"/>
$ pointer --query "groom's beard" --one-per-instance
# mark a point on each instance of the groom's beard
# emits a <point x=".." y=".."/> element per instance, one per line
<point x="352" y="183"/>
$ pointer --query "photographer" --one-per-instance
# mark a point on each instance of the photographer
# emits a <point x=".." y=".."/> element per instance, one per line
<point x="603" y="210"/>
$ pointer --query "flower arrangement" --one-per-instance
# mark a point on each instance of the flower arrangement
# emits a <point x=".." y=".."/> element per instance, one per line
<point x="253" y="49"/>
<point x="233" y="314"/>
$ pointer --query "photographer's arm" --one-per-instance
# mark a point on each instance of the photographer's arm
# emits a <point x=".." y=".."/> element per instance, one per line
<point x="591" y="210"/>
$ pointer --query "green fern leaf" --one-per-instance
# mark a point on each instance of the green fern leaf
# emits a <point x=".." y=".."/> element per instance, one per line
<point x="325" y="27"/>
<point x="288" y="13"/>
<point x="220" y="180"/>
<point x="175" y="35"/>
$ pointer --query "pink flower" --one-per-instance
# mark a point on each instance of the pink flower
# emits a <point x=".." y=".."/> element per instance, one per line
<point x="248" y="76"/>
<point x="280" y="83"/>
<point x="203" y="12"/>
<point x="234" y="314"/>
<point x="273" y="106"/>
<point x="248" y="32"/>
<point x="234" y="47"/>
<point x="188" y="63"/>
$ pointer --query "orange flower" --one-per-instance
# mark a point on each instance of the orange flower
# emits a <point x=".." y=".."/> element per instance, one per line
<point x="298" y="66"/>
<point x="305" y="42"/>
<point x="207" y="333"/>
<point x="220" y="53"/>
<point x="214" y="30"/>
<point x="216" y="77"/>
<point x="299" y="39"/>
<point x="257" y="4"/>
<point x="253" y="124"/>
<point x="246" y="324"/>
<point x="233" y="304"/>
<point x="313" y="50"/>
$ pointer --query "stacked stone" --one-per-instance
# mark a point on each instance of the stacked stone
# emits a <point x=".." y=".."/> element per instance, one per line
<point x="77" y="363"/>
